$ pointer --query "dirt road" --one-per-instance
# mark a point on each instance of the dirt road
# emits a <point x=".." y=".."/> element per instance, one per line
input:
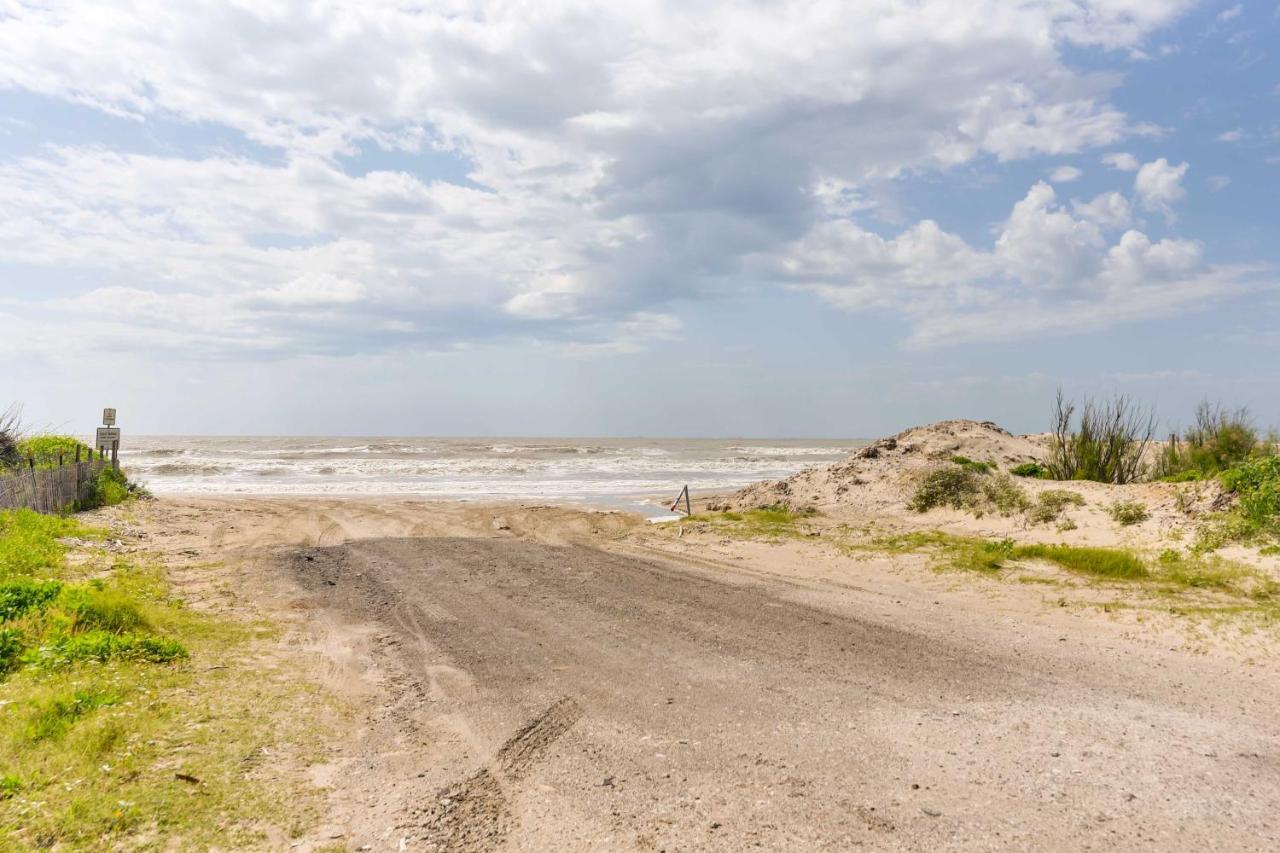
<point x="545" y="697"/>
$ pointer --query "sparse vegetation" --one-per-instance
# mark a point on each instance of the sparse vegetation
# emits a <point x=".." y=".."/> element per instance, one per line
<point x="964" y="487"/>
<point x="1128" y="513"/>
<point x="776" y="521"/>
<point x="1106" y="443"/>
<point x="102" y="707"/>
<point x="1049" y="505"/>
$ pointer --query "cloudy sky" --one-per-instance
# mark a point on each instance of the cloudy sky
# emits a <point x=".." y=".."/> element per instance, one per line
<point x="710" y="218"/>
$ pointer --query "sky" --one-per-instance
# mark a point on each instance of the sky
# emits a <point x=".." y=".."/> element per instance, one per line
<point x="744" y="218"/>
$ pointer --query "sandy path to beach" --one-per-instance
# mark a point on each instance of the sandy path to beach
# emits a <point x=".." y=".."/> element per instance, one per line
<point x="542" y="679"/>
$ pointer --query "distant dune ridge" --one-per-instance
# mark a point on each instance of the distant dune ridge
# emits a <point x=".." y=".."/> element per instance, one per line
<point x="884" y="472"/>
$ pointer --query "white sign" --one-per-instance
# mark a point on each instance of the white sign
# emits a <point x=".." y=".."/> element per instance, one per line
<point x="106" y="437"/>
<point x="109" y="417"/>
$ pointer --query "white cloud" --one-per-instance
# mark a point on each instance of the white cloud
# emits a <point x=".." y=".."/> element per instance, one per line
<point x="1065" y="174"/>
<point x="1109" y="209"/>
<point x="1231" y="135"/>
<point x="1050" y="271"/>
<point x="1121" y="160"/>
<point x="1219" y="182"/>
<point x="1231" y="13"/>
<point x="620" y="156"/>
<point x="1158" y="186"/>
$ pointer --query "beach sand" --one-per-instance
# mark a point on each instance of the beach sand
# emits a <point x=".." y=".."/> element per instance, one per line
<point x="534" y="677"/>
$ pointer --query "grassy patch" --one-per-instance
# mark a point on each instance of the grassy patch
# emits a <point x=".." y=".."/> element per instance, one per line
<point x="1113" y="563"/>
<point x="976" y="466"/>
<point x="775" y="521"/>
<point x="29" y="542"/>
<point x="1031" y="469"/>
<point x="1128" y="513"/>
<point x="115" y="697"/>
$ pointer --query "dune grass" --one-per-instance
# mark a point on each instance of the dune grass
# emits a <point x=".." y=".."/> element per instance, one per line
<point x="1171" y="573"/>
<point x="1110" y="563"/>
<point x="130" y="721"/>
<point x="776" y="521"/>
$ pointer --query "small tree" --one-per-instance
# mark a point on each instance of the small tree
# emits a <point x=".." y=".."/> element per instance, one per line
<point x="1108" y="443"/>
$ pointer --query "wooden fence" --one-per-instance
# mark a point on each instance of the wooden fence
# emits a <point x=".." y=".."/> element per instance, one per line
<point x="50" y="490"/>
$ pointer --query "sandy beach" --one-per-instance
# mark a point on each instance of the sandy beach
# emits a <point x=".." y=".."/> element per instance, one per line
<point x="537" y="677"/>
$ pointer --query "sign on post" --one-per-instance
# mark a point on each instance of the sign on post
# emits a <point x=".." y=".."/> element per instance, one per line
<point x="107" y="438"/>
<point x="109" y="417"/>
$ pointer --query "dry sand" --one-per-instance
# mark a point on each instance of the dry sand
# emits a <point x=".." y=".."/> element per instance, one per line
<point x="538" y="678"/>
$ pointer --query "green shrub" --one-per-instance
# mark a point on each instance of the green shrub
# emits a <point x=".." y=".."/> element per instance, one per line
<point x="1219" y="440"/>
<point x="1106" y="444"/>
<point x="1050" y="504"/>
<point x="1257" y="487"/>
<point x="954" y="487"/>
<point x="1256" y="514"/>
<point x="1004" y="495"/>
<point x="1126" y="513"/>
<point x="964" y="488"/>
<point x="46" y="450"/>
<point x="1030" y="469"/>
<point x="19" y="596"/>
<point x="974" y="466"/>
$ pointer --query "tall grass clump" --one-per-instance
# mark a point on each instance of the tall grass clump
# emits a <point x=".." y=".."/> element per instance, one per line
<point x="1106" y="442"/>
<point x="10" y="436"/>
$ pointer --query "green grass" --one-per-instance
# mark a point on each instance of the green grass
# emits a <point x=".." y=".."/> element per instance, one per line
<point x="777" y="522"/>
<point x="29" y="542"/>
<point x="978" y="467"/>
<point x="1112" y="563"/>
<point x="1171" y="574"/>
<point x="109" y="687"/>
<point x="1030" y="469"/>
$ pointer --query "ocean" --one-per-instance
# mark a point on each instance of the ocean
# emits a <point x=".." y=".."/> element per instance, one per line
<point x="641" y="474"/>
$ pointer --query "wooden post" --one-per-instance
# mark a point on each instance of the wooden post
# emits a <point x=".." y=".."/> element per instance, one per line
<point x="684" y="495"/>
<point x="77" y="454"/>
<point x="115" y="454"/>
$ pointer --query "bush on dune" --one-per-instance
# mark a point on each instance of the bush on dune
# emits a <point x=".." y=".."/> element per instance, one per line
<point x="1106" y="443"/>
<point x="1220" y="440"/>
<point x="967" y="487"/>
